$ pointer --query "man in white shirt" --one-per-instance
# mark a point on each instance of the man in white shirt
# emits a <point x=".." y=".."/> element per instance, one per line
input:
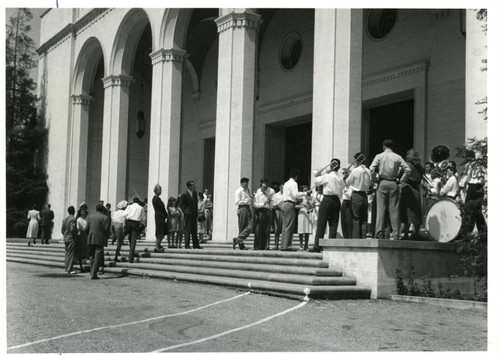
<point x="277" y="217"/>
<point x="290" y="195"/>
<point x="329" y="208"/>
<point x="133" y="217"/>
<point x="262" y="216"/>
<point x="243" y="199"/>
<point x="474" y="175"/>
<point x="359" y="181"/>
<point x="345" y="207"/>
<point x="117" y="221"/>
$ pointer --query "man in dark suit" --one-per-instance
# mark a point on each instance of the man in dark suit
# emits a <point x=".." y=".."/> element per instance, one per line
<point x="46" y="221"/>
<point x="189" y="206"/>
<point x="97" y="238"/>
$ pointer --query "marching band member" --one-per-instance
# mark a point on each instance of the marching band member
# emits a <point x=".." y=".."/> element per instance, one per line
<point x="450" y="189"/>
<point x="243" y="199"/>
<point x="290" y="195"/>
<point x="304" y="219"/>
<point x="410" y="203"/>
<point x="329" y="208"/>
<point x="277" y="214"/>
<point x="474" y="182"/>
<point x="359" y="181"/>
<point x="388" y="164"/>
<point x="263" y="206"/>
<point x="345" y="207"/>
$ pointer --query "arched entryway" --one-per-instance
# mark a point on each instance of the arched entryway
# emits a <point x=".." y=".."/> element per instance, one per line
<point x="87" y="122"/>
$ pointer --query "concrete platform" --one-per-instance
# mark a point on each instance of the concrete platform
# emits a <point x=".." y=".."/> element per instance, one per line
<point x="373" y="262"/>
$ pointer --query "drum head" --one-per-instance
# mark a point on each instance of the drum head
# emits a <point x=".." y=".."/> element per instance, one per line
<point x="443" y="220"/>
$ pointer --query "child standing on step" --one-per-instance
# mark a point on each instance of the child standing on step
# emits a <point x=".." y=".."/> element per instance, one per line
<point x="173" y="223"/>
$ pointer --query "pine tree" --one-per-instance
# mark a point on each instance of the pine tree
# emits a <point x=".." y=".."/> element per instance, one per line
<point x="25" y="132"/>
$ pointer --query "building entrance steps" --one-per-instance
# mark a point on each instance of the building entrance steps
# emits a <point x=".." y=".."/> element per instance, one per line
<point x="295" y="274"/>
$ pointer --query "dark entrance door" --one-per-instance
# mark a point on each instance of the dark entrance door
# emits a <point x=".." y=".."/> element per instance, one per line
<point x="298" y="142"/>
<point x="392" y="121"/>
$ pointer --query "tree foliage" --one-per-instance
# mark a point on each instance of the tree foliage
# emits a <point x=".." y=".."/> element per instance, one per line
<point x="25" y="131"/>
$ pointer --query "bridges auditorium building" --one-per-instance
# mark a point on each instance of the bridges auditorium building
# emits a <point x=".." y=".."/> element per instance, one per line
<point x="135" y="97"/>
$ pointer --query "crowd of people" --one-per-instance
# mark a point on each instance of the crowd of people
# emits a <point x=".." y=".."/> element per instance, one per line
<point x="368" y="202"/>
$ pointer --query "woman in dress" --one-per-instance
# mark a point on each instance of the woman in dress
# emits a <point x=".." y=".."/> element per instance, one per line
<point x="82" y="227"/>
<point x="305" y="220"/>
<point x="209" y="214"/>
<point x="173" y="224"/>
<point x="161" y="216"/>
<point x="410" y="202"/>
<point x="32" y="232"/>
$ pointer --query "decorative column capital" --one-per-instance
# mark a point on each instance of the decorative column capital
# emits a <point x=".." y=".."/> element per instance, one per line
<point x="238" y="20"/>
<point x="117" y="80"/>
<point x="168" y="55"/>
<point x="82" y="99"/>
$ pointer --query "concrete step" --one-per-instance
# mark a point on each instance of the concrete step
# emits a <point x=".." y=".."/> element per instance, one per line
<point x="330" y="292"/>
<point x="237" y="252"/>
<point x="209" y="269"/>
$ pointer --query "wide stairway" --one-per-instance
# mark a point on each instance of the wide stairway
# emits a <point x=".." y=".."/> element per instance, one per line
<point x="293" y="274"/>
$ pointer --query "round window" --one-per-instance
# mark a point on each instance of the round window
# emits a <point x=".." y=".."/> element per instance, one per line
<point x="291" y="48"/>
<point x="381" y="23"/>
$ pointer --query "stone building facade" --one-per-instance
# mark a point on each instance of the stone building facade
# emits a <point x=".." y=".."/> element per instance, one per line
<point x="135" y="97"/>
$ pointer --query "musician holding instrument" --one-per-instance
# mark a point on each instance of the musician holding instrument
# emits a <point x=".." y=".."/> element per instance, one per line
<point x="474" y="181"/>
<point x="388" y="164"/>
<point x="262" y="203"/>
<point x="410" y="202"/>
<point x="290" y="195"/>
<point x="345" y="206"/>
<point x="450" y="189"/>
<point x="329" y="209"/>
<point x="359" y="181"/>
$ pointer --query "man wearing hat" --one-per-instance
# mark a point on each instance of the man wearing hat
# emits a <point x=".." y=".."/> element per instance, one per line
<point x="117" y="221"/>
<point x="243" y="199"/>
<point x="97" y="238"/>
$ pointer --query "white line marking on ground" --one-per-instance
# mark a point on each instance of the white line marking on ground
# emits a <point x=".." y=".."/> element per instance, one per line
<point x="232" y="330"/>
<point x="124" y="324"/>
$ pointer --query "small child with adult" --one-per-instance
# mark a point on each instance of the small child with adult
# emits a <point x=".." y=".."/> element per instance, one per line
<point x="173" y="224"/>
<point x="305" y="219"/>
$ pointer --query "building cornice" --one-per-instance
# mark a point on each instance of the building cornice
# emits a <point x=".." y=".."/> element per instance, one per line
<point x="117" y="80"/>
<point x="72" y="29"/>
<point x="238" y="20"/>
<point x="168" y="55"/>
<point x="395" y="74"/>
<point x="294" y="101"/>
<point x="82" y="99"/>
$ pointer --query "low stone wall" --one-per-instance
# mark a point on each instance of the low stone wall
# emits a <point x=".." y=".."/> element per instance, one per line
<point x="373" y="262"/>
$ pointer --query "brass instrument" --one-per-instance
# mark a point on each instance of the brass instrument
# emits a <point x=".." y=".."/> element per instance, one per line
<point x="361" y="159"/>
<point x="334" y="165"/>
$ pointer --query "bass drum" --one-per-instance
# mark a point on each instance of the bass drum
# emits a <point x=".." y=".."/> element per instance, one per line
<point x="444" y="220"/>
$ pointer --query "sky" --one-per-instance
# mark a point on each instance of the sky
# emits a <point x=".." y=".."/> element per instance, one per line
<point x="35" y="30"/>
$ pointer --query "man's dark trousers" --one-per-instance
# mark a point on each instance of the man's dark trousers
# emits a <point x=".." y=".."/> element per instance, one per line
<point x="133" y="232"/>
<point x="346" y="219"/>
<point x="245" y="223"/>
<point x="329" y="211"/>
<point x="191" y="230"/>
<point x="96" y="254"/>
<point x="277" y="222"/>
<point x="70" y="247"/>
<point x="262" y="228"/>
<point x="46" y="232"/>
<point x="359" y="211"/>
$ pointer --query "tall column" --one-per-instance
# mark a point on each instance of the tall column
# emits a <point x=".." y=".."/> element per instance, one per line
<point x="235" y="114"/>
<point x="336" y="131"/>
<point x="114" y="138"/>
<point x="337" y="85"/>
<point x="475" y="77"/>
<point x="164" y="145"/>
<point x="77" y="183"/>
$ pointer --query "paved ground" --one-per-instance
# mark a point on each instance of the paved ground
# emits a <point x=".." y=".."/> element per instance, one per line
<point x="43" y="303"/>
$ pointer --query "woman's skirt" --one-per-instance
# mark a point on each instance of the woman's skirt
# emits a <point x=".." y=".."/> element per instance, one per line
<point x="304" y="222"/>
<point x="32" y="231"/>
